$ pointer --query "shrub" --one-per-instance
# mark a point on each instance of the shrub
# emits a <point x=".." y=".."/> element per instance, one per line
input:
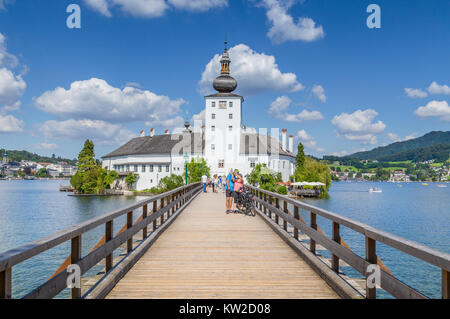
<point x="282" y="190"/>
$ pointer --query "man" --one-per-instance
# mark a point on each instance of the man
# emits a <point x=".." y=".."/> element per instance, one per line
<point x="229" y="188"/>
<point x="204" y="181"/>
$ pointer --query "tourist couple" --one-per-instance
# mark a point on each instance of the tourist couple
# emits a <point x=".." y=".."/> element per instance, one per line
<point x="234" y="186"/>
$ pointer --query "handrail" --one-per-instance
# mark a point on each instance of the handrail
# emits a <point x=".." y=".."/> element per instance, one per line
<point x="372" y="235"/>
<point x="12" y="257"/>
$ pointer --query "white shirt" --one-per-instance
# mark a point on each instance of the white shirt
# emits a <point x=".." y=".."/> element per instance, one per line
<point x="204" y="179"/>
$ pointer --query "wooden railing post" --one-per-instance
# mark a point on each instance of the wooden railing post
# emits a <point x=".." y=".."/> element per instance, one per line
<point x="162" y="215"/>
<point x="287" y="212"/>
<point x="108" y="237"/>
<point x="445" y="284"/>
<point x="296" y="216"/>
<point x="5" y="283"/>
<point x="336" y="238"/>
<point x="265" y="201"/>
<point x="129" y="225"/>
<point x="313" y="224"/>
<point x="173" y="206"/>
<point x="371" y="257"/>
<point x="271" y="203"/>
<point x="75" y="256"/>
<point x="155" y="208"/>
<point x="277" y="205"/>
<point x="144" y="216"/>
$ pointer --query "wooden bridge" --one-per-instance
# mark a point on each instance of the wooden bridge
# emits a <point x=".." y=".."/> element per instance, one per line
<point x="183" y="245"/>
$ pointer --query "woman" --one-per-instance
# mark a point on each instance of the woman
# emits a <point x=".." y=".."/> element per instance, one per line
<point x="238" y="188"/>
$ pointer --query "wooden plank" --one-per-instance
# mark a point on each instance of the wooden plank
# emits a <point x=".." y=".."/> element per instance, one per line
<point x="445" y="284"/>
<point x="336" y="238"/>
<point x="313" y="224"/>
<point x="285" y="208"/>
<point x="55" y="285"/>
<point x="109" y="231"/>
<point x="75" y="256"/>
<point x="208" y="254"/>
<point x="129" y="225"/>
<point x="144" y="215"/>
<point x="296" y="216"/>
<point x="5" y="283"/>
<point x="371" y="257"/>
<point x="437" y="258"/>
<point x="14" y="256"/>
<point x="388" y="282"/>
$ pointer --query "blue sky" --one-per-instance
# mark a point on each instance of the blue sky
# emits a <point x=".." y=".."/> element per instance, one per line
<point x="313" y="67"/>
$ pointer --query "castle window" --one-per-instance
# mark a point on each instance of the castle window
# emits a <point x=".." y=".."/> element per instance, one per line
<point x="213" y="116"/>
<point x="223" y="104"/>
<point x="231" y="104"/>
<point x="135" y="168"/>
<point x="213" y="128"/>
<point x="151" y="168"/>
<point x="230" y="116"/>
<point x="143" y="168"/>
<point x="213" y="104"/>
<point x="213" y="147"/>
<point x="160" y="168"/>
<point x="252" y="163"/>
<point x="230" y="146"/>
<point x="167" y="168"/>
<point x="221" y="164"/>
<point x="230" y="128"/>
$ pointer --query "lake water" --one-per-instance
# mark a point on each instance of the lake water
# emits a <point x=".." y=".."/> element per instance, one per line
<point x="31" y="210"/>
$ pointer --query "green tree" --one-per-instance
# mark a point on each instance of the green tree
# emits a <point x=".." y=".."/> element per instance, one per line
<point x="196" y="168"/>
<point x="91" y="178"/>
<point x="263" y="177"/>
<point x="170" y="182"/>
<point x="43" y="172"/>
<point x="131" y="179"/>
<point x="300" y="159"/>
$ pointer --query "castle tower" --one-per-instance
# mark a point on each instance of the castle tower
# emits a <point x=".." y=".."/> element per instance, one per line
<point x="223" y="116"/>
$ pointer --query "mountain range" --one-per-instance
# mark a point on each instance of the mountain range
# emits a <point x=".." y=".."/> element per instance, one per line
<point x="434" y="145"/>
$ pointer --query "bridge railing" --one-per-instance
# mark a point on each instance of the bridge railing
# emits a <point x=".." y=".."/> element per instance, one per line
<point x="268" y="204"/>
<point x="170" y="203"/>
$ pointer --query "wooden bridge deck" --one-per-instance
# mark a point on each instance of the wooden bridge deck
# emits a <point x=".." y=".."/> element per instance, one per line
<point x="208" y="254"/>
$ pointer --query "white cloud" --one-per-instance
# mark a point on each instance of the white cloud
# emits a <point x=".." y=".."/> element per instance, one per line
<point x="278" y="109"/>
<point x="358" y="126"/>
<point x="198" y="5"/>
<point x="435" y="88"/>
<point x="10" y="124"/>
<point x="255" y="72"/>
<point x="340" y="153"/>
<point x="46" y="146"/>
<point x="100" y="131"/>
<point x="308" y="141"/>
<point x="95" y="99"/>
<point x="152" y="8"/>
<point x="12" y="86"/>
<point x="319" y="92"/>
<point x="100" y="6"/>
<point x="415" y="93"/>
<point x="284" y="28"/>
<point x="439" y="109"/>
<point x="395" y="138"/>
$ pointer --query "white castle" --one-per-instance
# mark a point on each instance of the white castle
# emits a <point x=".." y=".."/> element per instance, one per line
<point x="224" y="142"/>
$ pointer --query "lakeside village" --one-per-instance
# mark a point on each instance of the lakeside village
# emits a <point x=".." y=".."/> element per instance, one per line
<point x="403" y="171"/>
<point x="30" y="170"/>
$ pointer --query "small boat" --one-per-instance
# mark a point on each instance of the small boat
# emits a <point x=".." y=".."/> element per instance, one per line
<point x="441" y="185"/>
<point x="375" y="190"/>
<point x="424" y="184"/>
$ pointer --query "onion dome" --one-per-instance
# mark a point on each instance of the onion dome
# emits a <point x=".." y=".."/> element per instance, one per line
<point x="224" y="83"/>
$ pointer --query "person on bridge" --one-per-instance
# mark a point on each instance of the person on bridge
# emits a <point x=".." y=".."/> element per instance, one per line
<point x="204" y="182"/>
<point x="229" y="189"/>
<point x="238" y="188"/>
